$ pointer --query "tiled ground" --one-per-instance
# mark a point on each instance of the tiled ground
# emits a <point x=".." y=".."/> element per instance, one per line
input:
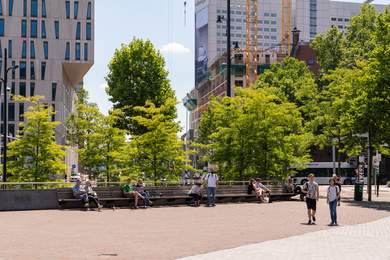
<point x="169" y="232"/>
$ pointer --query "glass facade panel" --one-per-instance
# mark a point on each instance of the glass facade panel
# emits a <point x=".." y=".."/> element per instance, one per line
<point x="88" y="31"/>
<point x="9" y="48"/>
<point x="1" y="8"/>
<point x="77" y="50"/>
<point x="85" y="51"/>
<point x="34" y="8"/>
<point x="24" y="28"/>
<point x="32" y="89"/>
<point x="53" y="91"/>
<point x="32" y="50"/>
<point x="22" y="70"/>
<point x="43" y="29"/>
<point x="34" y="29"/>
<point x="78" y="32"/>
<point x="67" y="51"/>
<point x="11" y="113"/>
<point x="1" y="27"/>
<point x="76" y="9"/>
<point x="21" y="111"/>
<point x="24" y="47"/>
<point x="22" y="89"/>
<point x="67" y="5"/>
<point x="43" y="70"/>
<point x="43" y="8"/>
<point x="24" y="7"/>
<point x="57" y="28"/>
<point x="11" y="6"/>
<point x="32" y="70"/>
<point x="46" y="49"/>
<point x="89" y="11"/>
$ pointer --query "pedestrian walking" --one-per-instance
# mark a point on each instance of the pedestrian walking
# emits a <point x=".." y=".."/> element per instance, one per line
<point x="312" y="195"/>
<point x="212" y="186"/>
<point x="332" y="195"/>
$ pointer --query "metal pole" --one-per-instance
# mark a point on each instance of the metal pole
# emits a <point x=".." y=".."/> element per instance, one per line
<point x="5" y="121"/>
<point x="228" y="88"/>
<point x="334" y="159"/>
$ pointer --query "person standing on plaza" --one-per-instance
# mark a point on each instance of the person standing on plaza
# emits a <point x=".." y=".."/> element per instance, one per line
<point x="212" y="186"/>
<point x="79" y="193"/>
<point x="337" y="182"/>
<point x="333" y="193"/>
<point x="311" y="189"/>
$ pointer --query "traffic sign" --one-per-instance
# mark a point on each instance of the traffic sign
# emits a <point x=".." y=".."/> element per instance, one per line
<point x="74" y="166"/>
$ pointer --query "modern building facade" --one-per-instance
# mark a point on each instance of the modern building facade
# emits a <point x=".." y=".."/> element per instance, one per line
<point x="52" y="42"/>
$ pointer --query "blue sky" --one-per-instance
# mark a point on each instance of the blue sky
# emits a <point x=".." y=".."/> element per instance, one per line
<point x="161" y="21"/>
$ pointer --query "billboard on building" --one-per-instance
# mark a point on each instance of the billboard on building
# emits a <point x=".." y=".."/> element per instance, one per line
<point x="201" y="44"/>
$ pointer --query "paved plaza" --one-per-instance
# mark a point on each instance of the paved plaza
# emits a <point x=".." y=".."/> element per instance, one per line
<point x="228" y="231"/>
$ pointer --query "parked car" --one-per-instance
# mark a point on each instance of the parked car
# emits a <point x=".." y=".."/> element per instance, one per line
<point x="74" y="177"/>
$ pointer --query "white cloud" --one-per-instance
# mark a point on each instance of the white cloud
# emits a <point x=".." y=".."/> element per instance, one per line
<point x="174" y="48"/>
<point x="103" y="86"/>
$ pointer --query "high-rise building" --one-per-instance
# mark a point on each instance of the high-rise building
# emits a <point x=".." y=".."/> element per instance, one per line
<point x="311" y="17"/>
<point x="52" y="42"/>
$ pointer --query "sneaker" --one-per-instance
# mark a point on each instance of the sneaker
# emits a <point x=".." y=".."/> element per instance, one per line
<point x="331" y="224"/>
<point x="336" y="224"/>
<point x="100" y="207"/>
<point x="86" y="205"/>
<point x="309" y="222"/>
<point x="135" y="207"/>
<point x="314" y="219"/>
<point x="150" y="202"/>
<point x="213" y="205"/>
<point x="144" y="207"/>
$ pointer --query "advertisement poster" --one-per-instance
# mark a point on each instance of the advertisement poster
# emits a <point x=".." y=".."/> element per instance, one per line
<point x="201" y="44"/>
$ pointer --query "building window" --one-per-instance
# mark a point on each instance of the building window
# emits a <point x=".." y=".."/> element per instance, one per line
<point x="266" y="37"/>
<point x="77" y="51"/>
<point x="78" y="32"/>
<point x="273" y="37"/>
<point x="24" y="47"/>
<point x="24" y="7"/>
<point x="310" y="62"/>
<point x="88" y="31"/>
<point x="239" y="83"/>
<point x="43" y="29"/>
<point x="334" y="19"/>
<point x="340" y="19"/>
<point x="266" y="22"/>
<point x="57" y="28"/>
<point x="9" y="48"/>
<point x="273" y="22"/>
<point x="32" y="70"/>
<point x="238" y="27"/>
<point x="43" y="70"/>
<point x="1" y="27"/>
<point x="13" y="70"/>
<point x="32" y="50"/>
<point x="67" y="50"/>
<point x="1" y="8"/>
<point x="11" y="113"/>
<point x="46" y="49"/>
<point x="266" y="29"/>
<point x="340" y="26"/>
<point x="346" y="20"/>
<point x="34" y="8"/>
<point x="76" y="9"/>
<point x="34" y="29"/>
<point x="67" y="5"/>
<point x="273" y="15"/>
<point x="85" y="51"/>
<point x="53" y="91"/>
<point x="11" y="6"/>
<point x="22" y="70"/>
<point x="89" y="11"/>
<point x="43" y="8"/>
<point x="24" y="28"/>
<point x="266" y="14"/>
<point x="32" y="89"/>
<point x="13" y="88"/>
<point x="238" y="12"/>
<point x="273" y="29"/>
<point x="22" y="89"/>
<point x="21" y="111"/>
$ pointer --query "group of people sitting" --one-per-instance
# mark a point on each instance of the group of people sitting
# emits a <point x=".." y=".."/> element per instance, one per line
<point x="260" y="190"/>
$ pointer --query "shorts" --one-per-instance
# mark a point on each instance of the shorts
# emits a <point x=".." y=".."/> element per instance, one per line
<point x="311" y="204"/>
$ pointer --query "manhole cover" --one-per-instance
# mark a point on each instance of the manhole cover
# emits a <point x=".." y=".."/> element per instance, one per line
<point x="107" y="255"/>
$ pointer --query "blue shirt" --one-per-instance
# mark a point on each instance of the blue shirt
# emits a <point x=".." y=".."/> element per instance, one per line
<point x="77" y="188"/>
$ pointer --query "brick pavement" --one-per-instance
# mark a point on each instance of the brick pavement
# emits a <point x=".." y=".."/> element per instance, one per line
<point x="169" y="232"/>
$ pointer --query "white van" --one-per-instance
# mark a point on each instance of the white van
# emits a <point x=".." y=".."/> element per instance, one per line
<point x="74" y="177"/>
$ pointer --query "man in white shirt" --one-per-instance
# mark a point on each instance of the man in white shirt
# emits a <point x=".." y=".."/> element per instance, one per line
<point x="212" y="186"/>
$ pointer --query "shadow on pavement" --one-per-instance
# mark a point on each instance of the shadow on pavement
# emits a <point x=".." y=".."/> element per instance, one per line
<point x="378" y="205"/>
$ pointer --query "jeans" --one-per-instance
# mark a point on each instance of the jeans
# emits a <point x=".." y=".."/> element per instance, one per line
<point x="83" y="196"/>
<point x="94" y="198"/>
<point x="333" y="213"/>
<point x="145" y="195"/>
<point x="211" y="190"/>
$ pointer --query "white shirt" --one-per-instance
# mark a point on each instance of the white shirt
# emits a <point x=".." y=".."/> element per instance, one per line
<point x="333" y="192"/>
<point x="211" y="180"/>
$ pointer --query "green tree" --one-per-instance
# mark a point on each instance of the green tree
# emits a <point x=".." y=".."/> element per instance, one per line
<point x="38" y="157"/>
<point x="257" y="134"/>
<point x="159" y="153"/>
<point x="136" y="75"/>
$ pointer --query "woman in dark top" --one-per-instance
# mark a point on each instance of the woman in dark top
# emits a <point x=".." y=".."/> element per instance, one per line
<point x="252" y="189"/>
<point x="337" y="182"/>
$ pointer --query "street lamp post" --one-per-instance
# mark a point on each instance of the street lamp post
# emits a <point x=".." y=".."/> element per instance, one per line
<point x="6" y="89"/>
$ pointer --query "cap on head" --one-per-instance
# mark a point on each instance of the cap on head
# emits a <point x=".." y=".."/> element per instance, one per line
<point x="78" y="180"/>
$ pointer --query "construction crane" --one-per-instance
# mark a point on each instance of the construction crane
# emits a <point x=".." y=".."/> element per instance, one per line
<point x="251" y="42"/>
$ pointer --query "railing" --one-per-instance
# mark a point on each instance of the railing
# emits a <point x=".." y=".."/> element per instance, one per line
<point x="54" y="185"/>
